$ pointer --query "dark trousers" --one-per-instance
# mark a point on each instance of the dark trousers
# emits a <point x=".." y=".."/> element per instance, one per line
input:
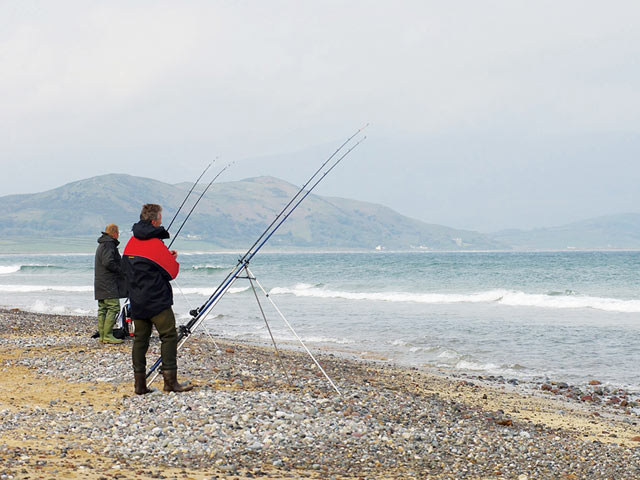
<point x="165" y="323"/>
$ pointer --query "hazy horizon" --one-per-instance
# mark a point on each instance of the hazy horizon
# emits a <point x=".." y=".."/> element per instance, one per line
<point x="484" y="116"/>
<point x="204" y="182"/>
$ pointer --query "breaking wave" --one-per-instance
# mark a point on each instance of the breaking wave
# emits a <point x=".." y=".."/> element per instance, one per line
<point x="44" y="288"/>
<point x="6" y="269"/>
<point x="502" y="297"/>
<point x="40" y="267"/>
<point x="492" y="368"/>
<point x="207" y="291"/>
<point x="208" y="268"/>
<point x="41" y="306"/>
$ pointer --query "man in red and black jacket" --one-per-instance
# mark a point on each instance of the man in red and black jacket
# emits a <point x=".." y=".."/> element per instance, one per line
<point x="149" y="266"/>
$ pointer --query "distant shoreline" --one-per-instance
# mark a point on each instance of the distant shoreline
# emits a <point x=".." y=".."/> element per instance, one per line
<point x="86" y="246"/>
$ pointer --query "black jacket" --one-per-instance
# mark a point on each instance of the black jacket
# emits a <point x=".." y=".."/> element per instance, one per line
<point x="147" y="283"/>
<point x="108" y="278"/>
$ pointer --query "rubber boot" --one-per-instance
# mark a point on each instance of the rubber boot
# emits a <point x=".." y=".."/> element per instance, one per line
<point x="140" y="383"/>
<point x="108" y="332"/>
<point x="101" y="328"/>
<point x="171" y="382"/>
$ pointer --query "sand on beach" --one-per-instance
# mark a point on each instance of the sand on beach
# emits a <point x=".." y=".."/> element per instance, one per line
<point x="64" y="396"/>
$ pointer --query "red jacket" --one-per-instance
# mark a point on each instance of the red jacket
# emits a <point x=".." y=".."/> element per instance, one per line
<point x="149" y="267"/>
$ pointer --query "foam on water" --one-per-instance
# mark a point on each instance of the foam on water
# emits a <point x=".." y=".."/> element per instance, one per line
<point x="207" y="291"/>
<point x="5" y="269"/>
<point x="522" y="299"/>
<point x="33" y="267"/>
<point x="498" y="296"/>
<point x="10" y="255"/>
<point x="44" y="288"/>
<point x="41" y="306"/>
<point x="337" y="341"/>
<point x="492" y="368"/>
<point x="209" y="268"/>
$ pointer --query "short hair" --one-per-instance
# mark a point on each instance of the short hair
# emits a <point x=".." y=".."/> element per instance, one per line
<point x="150" y="211"/>
<point x="111" y="229"/>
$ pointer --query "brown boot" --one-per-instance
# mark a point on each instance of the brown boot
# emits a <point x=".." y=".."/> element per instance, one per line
<point x="171" y="382"/>
<point x="140" y="379"/>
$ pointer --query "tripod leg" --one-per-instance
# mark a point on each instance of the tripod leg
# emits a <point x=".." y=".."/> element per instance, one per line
<point x="255" y="293"/>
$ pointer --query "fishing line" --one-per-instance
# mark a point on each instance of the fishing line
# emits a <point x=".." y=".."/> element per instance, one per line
<point x="201" y="313"/>
<point x="198" y="201"/>
<point x="188" y="194"/>
<point x="250" y="253"/>
<point x="205" y="328"/>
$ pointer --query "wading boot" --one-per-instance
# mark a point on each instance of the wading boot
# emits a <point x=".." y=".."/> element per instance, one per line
<point x="107" y="336"/>
<point x="171" y="382"/>
<point x="101" y="329"/>
<point x="140" y="379"/>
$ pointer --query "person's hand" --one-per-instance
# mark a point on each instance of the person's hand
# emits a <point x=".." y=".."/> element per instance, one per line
<point x="174" y="253"/>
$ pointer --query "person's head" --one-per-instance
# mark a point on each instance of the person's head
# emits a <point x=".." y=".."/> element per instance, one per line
<point x="151" y="212"/>
<point x="112" y="231"/>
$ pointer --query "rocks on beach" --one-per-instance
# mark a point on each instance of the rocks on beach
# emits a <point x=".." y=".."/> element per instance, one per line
<point x="617" y="398"/>
<point x="247" y="418"/>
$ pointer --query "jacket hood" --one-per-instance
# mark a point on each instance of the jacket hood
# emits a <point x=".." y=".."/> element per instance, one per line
<point x="145" y="231"/>
<point x="108" y="238"/>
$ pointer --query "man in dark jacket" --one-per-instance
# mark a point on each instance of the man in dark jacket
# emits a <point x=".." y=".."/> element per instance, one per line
<point x="149" y="266"/>
<point x="108" y="283"/>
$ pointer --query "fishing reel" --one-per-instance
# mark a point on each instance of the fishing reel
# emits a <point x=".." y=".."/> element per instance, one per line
<point x="185" y="331"/>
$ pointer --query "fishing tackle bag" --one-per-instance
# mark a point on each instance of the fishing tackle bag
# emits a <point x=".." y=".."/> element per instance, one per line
<point x="124" y="327"/>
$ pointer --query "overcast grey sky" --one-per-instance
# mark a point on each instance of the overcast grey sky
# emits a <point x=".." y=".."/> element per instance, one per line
<point x="484" y="114"/>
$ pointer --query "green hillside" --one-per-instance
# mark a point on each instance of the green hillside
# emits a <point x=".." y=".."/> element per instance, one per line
<point x="230" y="216"/>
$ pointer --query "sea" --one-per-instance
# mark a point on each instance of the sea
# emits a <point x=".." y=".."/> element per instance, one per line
<point x="569" y="316"/>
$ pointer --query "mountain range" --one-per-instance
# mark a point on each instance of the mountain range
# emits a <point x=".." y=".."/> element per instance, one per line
<point x="231" y="215"/>
<point x="620" y="231"/>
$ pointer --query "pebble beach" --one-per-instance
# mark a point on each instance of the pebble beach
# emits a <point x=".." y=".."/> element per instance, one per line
<point x="68" y="411"/>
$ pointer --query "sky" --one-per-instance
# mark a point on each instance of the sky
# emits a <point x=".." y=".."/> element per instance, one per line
<point x="484" y="115"/>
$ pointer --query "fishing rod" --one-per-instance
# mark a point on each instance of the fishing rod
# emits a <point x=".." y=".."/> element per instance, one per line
<point x="304" y="186"/>
<point x="188" y="194"/>
<point x="293" y="199"/>
<point x="200" y="313"/>
<point x="197" y="201"/>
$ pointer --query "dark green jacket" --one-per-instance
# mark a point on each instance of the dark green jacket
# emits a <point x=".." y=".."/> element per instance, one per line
<point x="108" y="280"/>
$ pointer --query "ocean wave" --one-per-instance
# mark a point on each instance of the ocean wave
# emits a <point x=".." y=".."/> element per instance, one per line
<point x="9" y="255"/>
<point x="43" y="307"/>
<point x="306" y="290"/>
<point x="6" y="269"/>
<point x="492" y="368"/>
<point x="448" y="354"/>
<point x="502" y="297"/>
<point x="320" y="339"/>
<point x="44" y="288"/>
<point x="208" y="268"/>
<point x="207" y="291"/>
<point x="27" y="268"/>
<point x="521" y="299"/>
